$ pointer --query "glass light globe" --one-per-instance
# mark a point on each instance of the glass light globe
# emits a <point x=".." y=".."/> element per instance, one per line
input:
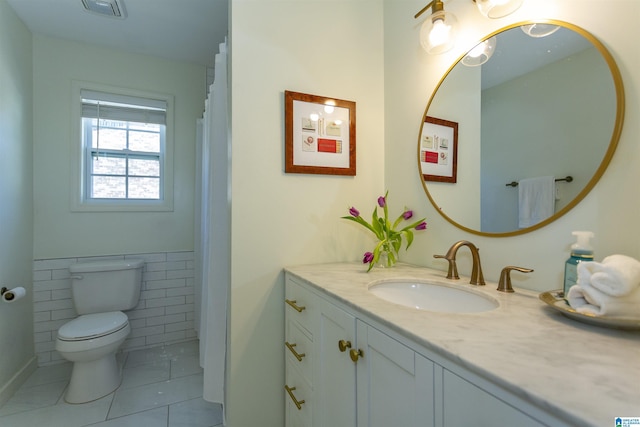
<point x="438" y="33"/>
<point x="498" y="8"/>
<point x="480" y="53"/>
<point x="539" y="30"/>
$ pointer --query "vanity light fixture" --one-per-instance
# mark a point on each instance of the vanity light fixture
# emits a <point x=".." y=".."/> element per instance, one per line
<point x="539" y="30"/>
<point x="481" y="53"/>
<point x="497" y="8"/>
<point x="438" y="32"/>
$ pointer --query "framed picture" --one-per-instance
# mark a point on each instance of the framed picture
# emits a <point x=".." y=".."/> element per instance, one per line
<point x="439" y="150"/>
<point x="320" y="134"/>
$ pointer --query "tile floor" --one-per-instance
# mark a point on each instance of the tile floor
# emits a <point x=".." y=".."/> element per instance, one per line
<point x="161" y="387"/>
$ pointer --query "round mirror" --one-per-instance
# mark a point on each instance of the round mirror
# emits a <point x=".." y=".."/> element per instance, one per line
<point x="509" y="145"/>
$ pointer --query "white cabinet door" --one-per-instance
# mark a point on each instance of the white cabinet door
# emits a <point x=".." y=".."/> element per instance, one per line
<point x="467" y="405"/>
<point x="335" y="377"/>
<point x="395" y="384"/>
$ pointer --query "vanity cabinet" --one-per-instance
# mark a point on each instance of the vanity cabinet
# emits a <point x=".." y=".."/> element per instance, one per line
<point x="466" y="404"/>
<point x="343" y="370"/>
<point x="358" y="375"/>
<point x="395" y="384"/>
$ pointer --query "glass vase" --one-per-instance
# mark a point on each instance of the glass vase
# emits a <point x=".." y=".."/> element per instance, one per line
<point x="386" y="258"/>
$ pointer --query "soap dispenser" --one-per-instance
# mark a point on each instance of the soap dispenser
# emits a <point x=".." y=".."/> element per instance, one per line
<point x="580" y="251"/>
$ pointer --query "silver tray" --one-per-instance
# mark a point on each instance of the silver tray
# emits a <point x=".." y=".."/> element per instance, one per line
<point x="554" y="300"/>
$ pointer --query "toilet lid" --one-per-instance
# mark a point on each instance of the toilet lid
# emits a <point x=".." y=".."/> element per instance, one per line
<point x="90" y="326"/>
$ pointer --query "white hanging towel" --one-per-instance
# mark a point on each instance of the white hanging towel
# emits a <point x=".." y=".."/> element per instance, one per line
<point x="536" y="200"/>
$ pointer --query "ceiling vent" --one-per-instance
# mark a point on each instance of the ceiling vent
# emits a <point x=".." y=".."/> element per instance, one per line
<point x="110" y="8"/>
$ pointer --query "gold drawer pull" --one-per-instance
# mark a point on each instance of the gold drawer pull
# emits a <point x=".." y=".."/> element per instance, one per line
<point x="296" y="401"/>
<point x="298" y="356"/>
<point x="293" y="304"/>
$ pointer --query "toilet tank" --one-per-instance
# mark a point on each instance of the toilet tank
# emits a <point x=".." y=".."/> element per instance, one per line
<point x="102" y="286"/>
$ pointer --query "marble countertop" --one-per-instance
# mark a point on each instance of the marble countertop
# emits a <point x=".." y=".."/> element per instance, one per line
<point x="586" y="375"/>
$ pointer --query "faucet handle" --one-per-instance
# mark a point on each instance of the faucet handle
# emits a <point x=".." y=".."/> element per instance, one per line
<point x="504" y="284"/>
<point x="452" y="272"/>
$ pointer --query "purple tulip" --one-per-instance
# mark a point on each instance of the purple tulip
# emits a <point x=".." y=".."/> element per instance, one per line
<point x="421" y="226"/>
<point x="381" y="201"/>
<point x="368" y="257"/>
<point x="408" y="214"/>
<point x="354" y="212"/>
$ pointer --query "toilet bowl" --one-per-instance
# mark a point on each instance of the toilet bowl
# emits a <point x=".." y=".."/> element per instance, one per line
<point x="90" y="342"/>
<point x="101" y="290"/>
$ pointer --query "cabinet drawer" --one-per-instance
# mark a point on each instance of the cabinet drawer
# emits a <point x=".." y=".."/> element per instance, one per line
<point x="298" y="398"/>
<point x="299" y="304"/>
<point x="299" y="348"/>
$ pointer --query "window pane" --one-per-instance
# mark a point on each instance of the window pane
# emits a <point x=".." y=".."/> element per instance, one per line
<point x="144" y="141"/>
<point x="125" y="154"/>
<point x="115" y="139"/>
<point x="144" y="188"/>
<point x="144" y="167"/>
<point x="102" y="164"/>
<point x="151" y="127"/>
<point x="108" y="187"/>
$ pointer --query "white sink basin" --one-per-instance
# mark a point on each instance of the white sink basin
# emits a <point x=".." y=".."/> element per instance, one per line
<point x="423" y="295"/>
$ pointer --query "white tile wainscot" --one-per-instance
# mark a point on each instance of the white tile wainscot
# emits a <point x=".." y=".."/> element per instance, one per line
<point x="522" y="361"/>
<point x="164" y="314"/>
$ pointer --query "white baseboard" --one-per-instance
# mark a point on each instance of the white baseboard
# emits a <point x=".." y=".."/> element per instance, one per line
<point x="17" y="380"/>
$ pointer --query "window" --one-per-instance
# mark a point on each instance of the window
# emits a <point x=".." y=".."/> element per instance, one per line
<point x="124" y="160"/>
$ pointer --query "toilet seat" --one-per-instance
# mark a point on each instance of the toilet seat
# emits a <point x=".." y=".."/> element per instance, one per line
<point x="92" y="326"/>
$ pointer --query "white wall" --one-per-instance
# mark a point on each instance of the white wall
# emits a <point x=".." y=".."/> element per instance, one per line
<point x="318" y="47"/>
<point x="610" y="210"/>
<point x="16" y="169"/>
<point x="60" y="233"/>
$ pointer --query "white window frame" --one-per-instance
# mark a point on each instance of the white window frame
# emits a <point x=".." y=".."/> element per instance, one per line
<point x="80" y="202"/>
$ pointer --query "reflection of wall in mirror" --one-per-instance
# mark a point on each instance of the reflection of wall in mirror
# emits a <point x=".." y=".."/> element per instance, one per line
<point x="460" y="102"/>
<point x="560" y="136"/>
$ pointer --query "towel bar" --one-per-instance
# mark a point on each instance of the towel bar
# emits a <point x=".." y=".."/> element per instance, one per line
<point x="568" y="178"/>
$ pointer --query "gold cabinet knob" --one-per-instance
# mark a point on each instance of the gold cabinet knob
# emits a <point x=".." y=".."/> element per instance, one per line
<point x="293" y="304"/>
<point x="291" y="348"/>
<point x="355" y="354"/>
<point x="343" y="345"/>
<point x="297" y="402"/>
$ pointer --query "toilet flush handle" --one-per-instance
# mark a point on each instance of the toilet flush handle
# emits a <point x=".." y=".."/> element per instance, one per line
<point x="77" y="277"/>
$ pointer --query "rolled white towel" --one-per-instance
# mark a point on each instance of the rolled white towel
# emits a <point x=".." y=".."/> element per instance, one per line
<point x="586" y="299"/>
<point x="616" y="275"/>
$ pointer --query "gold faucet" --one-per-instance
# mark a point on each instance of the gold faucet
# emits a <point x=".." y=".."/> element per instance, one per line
<point x="476" y="271"/>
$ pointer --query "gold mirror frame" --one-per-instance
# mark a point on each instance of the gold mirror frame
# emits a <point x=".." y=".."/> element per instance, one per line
<point x="617" y="129"/>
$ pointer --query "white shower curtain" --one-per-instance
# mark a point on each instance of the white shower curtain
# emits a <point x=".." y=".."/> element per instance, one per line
<point x="213" y="238"/>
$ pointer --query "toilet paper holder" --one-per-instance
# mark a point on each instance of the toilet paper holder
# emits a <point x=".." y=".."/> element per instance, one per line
<point x="12" y="295"/>
<point x="5" y="290"/>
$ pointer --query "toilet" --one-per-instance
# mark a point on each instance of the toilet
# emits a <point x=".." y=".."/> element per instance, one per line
<point x="100" y="291"/>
